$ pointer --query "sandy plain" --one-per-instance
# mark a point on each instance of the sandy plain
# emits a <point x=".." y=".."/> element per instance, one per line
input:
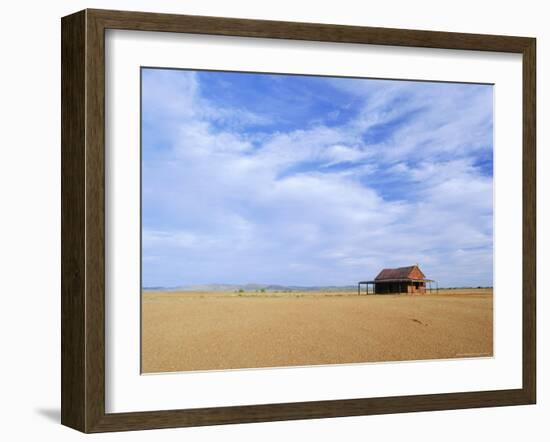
<point x="183" y="331"/>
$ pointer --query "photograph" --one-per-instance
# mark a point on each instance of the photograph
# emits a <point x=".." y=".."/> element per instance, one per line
<point x="303" y="220"/>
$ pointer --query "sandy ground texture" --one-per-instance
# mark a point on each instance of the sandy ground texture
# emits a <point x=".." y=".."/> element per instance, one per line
<point x="210" y="331"/>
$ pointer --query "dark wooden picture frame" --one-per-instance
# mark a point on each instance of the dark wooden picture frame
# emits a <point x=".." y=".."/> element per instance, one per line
<point x="83" y="220"/>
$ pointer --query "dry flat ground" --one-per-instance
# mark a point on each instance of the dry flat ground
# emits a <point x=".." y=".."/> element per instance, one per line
<point x="206" y="331"/>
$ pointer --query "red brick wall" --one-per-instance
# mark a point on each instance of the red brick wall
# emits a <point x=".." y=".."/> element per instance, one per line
<point x="416" y="274"/>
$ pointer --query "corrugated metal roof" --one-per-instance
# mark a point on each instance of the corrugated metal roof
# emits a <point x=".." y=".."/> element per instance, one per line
<point x="400" y="273"/>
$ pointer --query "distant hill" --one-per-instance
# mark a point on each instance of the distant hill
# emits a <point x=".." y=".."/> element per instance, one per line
<point x="252" y="287"/>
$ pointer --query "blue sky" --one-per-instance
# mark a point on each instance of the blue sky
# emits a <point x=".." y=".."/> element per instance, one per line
<point x="305" y="180"/>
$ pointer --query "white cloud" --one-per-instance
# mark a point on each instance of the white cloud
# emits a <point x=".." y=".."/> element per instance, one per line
<point x="339" y="153"/>
<point x="233" y="207"/>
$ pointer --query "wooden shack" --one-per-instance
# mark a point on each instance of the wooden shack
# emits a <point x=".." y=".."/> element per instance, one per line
<point x="399" y="280"/>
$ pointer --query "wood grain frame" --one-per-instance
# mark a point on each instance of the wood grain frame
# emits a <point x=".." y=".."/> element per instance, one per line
<point x="83" y="220"/>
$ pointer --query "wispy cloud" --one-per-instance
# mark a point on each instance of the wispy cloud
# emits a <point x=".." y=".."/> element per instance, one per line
<point x="313" y="181"/>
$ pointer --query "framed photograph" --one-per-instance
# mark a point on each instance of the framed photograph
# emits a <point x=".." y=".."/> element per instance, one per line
<point x="268" y="220"/>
